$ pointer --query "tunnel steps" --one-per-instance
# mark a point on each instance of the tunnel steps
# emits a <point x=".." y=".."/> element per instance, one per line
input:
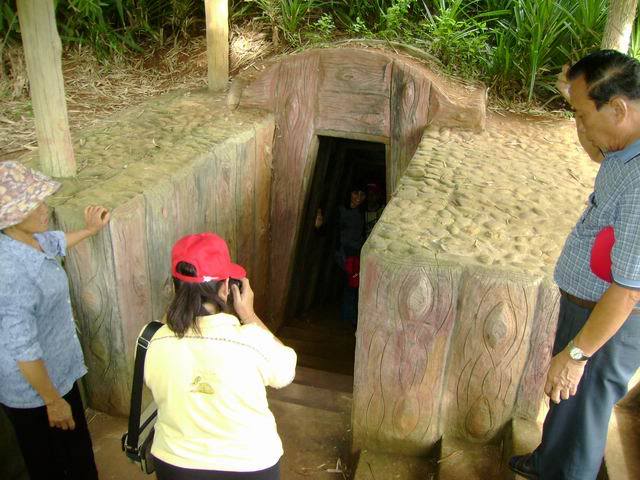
<point x="314" y="412"/>
<point x="321" y="333"/>
<point x="322" y="379"/>
<point x="325" y="344"/>
<point x="316" y="397"/>
<point x="342" y="351"/>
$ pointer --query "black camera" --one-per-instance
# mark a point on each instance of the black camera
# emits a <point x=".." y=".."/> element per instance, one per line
<point x="235" y="281"/>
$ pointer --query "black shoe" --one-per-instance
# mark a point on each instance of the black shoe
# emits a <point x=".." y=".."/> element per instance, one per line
<point x="523" y="466"/>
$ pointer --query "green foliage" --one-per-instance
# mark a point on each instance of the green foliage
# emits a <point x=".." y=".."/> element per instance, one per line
<point x="325" y="26"/>
<point x="290" y="17"/>
<point x="359" y="28"/>
<point x="295" y="15"/>
<point x="634" y="48"/>
<point x="537" y="38"/>
<point x="8" y="24"/>
<point x="515" y="46"/>
<point x="114" y="26"/>
<point x="461" y="42"/>
<point x="396" y="17"/>
<point x="363" y="12"/>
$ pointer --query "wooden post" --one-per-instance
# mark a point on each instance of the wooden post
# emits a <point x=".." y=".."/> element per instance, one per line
<point x="617" y="30"/>
<point x="217" y="13"/>
<point x="43" y="51"/>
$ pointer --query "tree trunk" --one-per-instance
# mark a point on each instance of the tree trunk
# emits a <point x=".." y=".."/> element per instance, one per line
<point x="217" y="13"/>
<point x="617" y="31"/>
<point x="42" y="51"/>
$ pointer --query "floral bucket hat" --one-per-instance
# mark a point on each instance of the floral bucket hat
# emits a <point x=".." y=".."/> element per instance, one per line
<point x="21" y="190"/>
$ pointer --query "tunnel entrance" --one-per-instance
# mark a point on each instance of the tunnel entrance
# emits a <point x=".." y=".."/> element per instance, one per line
<point x="322" y="304"/>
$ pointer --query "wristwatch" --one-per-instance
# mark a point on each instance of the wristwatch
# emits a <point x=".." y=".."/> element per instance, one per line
<point x="576" y="353"/>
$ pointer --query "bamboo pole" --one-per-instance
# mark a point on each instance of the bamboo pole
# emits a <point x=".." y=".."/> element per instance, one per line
<point x="217" y="15"/>
<point x="43" y="55"/>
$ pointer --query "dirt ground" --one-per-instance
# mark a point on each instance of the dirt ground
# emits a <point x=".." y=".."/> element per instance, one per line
<point x="97" y="89"/>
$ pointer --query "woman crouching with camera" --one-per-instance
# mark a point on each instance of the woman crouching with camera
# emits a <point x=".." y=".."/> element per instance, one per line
<point x="208" y="369"/>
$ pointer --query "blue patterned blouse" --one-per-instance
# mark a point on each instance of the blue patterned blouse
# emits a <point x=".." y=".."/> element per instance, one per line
<point x="36" y="320"/>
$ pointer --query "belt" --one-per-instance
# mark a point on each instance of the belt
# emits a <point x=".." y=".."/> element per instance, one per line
<point x="578" y="301"/>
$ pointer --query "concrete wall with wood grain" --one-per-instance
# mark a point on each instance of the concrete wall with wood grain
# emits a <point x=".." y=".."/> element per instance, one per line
<point x="352" y="93"/>
<point x="120" y="279"/>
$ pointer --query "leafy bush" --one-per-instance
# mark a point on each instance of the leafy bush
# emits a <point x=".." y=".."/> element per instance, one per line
<point x="537" y="38"/>
<point x="396" y="17"/>
<point x="325" y="26"/>
<point x="515" y="46"/>
<point x="112" y="27"/>
<point x="461" y="42"/>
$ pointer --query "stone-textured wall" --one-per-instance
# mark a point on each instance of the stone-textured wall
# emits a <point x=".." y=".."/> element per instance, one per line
<point x="180" y="164"/>
<point x="457" y="304"/>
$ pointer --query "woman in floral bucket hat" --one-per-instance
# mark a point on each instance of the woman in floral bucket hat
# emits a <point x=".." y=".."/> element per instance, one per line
<point x="40" y="355"/>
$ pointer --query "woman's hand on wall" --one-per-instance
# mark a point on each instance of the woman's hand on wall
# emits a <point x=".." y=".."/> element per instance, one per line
<point x="95" y="218"/>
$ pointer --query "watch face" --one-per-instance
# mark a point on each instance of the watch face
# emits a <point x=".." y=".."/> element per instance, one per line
<point x="577" y="354"/>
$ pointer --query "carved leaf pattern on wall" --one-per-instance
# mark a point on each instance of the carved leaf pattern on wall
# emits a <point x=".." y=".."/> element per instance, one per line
<point x="489" y="350"/>
<point x="403" y="352"/>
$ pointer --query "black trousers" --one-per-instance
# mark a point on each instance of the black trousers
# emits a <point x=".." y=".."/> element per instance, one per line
<point x="575" y="431"/>
<point x="165" y="471"/>
<point x="53" y="453"/>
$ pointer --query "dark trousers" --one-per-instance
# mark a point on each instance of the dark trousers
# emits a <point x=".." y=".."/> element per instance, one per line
<point x="349" y="305"/>
<point x="52" y="453"/>
<point x="166" y="471"/>
<point x="575" y="431"/>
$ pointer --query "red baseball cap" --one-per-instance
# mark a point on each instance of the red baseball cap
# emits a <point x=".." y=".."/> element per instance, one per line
<point x="209" y="254"/>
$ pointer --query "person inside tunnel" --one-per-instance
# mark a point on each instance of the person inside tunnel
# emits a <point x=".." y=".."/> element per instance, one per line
<point x="350" y="236"/>
<point x="345" y="200"/>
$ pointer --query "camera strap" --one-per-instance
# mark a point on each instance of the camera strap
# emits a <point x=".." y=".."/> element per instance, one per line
<point x="131" y="444"/>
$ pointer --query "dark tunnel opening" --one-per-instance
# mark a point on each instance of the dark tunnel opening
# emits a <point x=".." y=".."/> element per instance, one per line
<point x="322" y="297"/>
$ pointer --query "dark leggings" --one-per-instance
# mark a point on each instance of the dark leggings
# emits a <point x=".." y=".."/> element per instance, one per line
<point x="52" y="452"/>
<point x="165" y="471"/>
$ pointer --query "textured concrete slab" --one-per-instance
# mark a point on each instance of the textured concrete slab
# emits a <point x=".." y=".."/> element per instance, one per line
<point x="457" y="303"/>
<point x="178" y="164"/>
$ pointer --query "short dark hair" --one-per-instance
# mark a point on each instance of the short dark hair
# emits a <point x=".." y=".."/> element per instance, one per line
<point x="608" y="73"/>
<point x="187" y="303"/>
